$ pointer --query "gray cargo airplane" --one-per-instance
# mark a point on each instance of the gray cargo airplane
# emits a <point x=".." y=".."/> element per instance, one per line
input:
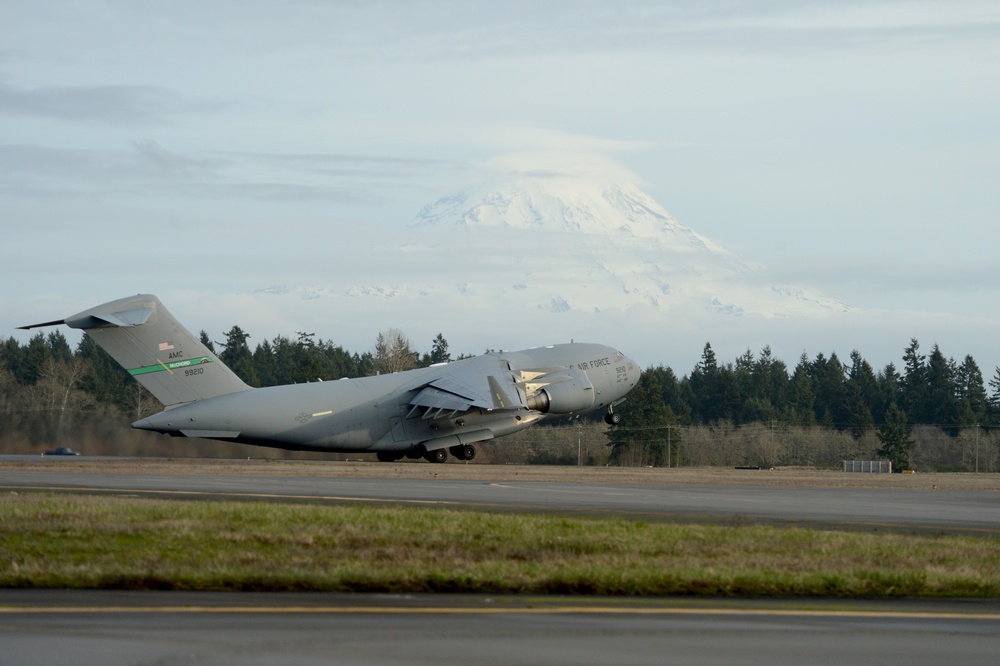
<point x="427" y="412"/>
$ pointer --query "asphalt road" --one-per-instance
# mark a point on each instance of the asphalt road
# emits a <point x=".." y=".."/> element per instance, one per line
<point x="101" y="628"/>
<point x="946" y="511"/>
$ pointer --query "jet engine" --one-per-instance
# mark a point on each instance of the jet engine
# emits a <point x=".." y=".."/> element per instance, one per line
<point x="565" y="392"/>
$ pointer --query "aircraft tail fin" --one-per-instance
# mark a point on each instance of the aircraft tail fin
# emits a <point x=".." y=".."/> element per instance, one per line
<point x="163" y="356"/>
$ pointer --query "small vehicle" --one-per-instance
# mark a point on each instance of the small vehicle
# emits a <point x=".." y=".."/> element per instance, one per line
<point x="61" y="451"/>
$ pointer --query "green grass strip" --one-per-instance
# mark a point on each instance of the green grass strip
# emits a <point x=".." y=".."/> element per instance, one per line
<point x="102" y="542"/>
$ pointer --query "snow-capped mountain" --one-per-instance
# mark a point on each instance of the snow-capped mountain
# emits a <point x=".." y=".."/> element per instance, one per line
<point x="534" y="256"/>
<point x="584" y="243"/>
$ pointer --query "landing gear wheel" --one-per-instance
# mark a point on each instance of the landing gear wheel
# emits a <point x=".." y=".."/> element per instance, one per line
<point x="436" y="456"/>
<point x="463" y="451"/>
<point x="388" y="456"/>
<point x="612" y="418"/>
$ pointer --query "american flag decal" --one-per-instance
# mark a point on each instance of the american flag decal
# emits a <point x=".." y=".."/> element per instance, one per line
<point x="166" y="346"/>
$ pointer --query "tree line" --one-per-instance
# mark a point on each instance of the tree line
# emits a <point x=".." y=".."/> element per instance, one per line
<point x="847" y="397"/>
<point x="48" y="389"/>
<point x="45" y="373"/>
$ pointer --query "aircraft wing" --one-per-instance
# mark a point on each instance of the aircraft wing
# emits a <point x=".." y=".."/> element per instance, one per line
<point x="485" y="382"/>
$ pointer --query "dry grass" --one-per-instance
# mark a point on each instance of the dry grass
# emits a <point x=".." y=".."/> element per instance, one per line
<point x="482" y="472"/>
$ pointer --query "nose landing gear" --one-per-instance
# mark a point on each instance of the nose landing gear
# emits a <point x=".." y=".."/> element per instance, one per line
<point x="612" y="418"/>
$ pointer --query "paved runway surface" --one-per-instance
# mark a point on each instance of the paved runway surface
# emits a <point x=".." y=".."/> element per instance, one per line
<point x="951" y="511"/>
<point x="94" y="627"/>
<point x="100" y="628"/>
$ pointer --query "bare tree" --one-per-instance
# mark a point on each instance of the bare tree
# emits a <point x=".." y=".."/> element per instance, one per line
<point x="142" y="400"/>
<point x="57" y="391"/>
<point x="393" y="352"/>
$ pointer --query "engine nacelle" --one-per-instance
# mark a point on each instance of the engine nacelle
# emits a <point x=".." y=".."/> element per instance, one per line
<point x="569" y="396"/>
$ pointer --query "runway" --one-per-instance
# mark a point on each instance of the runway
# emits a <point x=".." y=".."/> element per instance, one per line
<point x="99" y="628"/>
<point x="895" y="509"/>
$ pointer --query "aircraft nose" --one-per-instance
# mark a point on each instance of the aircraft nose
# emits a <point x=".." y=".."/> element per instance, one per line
<point x="634" y="372"/>
<point x="628" y="372"/>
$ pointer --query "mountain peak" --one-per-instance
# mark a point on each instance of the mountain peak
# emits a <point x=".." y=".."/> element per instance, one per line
<point x="601" y="239"/>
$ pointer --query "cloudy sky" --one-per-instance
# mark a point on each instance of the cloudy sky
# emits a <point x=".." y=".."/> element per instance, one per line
<point x="204" y="151"/>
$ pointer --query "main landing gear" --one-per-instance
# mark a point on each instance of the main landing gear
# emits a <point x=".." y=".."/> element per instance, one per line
<point x="436" y="456"/>
<point x="462" y="452"/>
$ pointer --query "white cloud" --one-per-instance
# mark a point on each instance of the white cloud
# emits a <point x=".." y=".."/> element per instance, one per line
<point x="193" y="149"/>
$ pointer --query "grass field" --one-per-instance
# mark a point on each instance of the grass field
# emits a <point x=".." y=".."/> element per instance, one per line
<point x="52" y="540"/>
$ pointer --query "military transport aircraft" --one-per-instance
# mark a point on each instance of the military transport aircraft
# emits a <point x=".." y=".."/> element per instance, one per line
<point x="427" y="412"/>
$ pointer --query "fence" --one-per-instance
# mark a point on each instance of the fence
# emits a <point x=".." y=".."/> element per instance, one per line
<point x="868" y="466"/>
<point x="761" y="444"/>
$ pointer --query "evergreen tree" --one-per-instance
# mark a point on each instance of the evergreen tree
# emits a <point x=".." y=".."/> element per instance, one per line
<point x="205" y="340"/>
<point x="743" y="388"/>
<point x="994" y="404"/>
<point x="237" y="355"/>
<point x="941" y="408"/>
<point x="264" y="364"/>
<point x="771" y="380"/>
<point x="651" y="435"/>
<point x="675" y="396"/>
<point x="13" y="358"/>
<point x="35" y="358"/>
<point x="706" y="388"/>
<point x="895" y="438"/>
<point x="889" y="389"/>
<point x="971" y="394"/>
<point x="729" y="391"/>
<point x="913" y="393"/>
<point x="307" y="358"/>
<point x="862" y="389"/>
<point x="59" y="347"/>
<point x="828" y="381"/>
<point x="757" y="410"/>
<point x="861" y="379"/>
<point x="337" y="362"/>
<point x="861" y="419"/>
<point x="439" y="350"/>
<point x="801" y="406"/>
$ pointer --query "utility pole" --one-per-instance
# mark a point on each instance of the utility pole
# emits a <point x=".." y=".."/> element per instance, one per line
<point x="579" y="457"/>
<point x="977" y="448"/>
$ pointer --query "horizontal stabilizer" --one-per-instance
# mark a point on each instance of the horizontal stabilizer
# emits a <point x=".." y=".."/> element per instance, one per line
<point x="57" y="322"/>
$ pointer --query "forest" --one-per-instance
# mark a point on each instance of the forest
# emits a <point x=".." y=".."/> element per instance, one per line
<point x="931" y="412"/>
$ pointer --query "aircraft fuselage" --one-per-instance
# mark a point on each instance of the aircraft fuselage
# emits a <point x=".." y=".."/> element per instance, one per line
<point x="373" y="413"/>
